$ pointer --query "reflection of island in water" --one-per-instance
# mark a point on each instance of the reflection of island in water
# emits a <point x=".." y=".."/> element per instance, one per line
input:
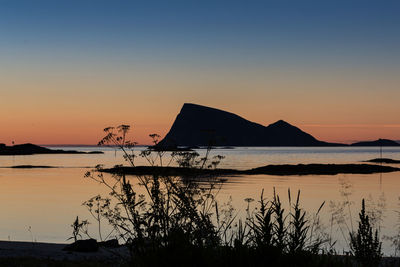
<point x="198" y="125"/>
<point x="31" y="149"/>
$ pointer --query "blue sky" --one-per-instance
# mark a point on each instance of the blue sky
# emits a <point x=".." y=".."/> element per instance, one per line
<point x="168" y="29"/>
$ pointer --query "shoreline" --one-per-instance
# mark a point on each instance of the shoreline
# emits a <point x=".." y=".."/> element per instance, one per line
<point x="54" y="251"/>
<point x="34" y="253"/>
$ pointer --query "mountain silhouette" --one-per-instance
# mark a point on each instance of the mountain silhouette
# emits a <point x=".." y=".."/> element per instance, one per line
<point x="198" y="125"/>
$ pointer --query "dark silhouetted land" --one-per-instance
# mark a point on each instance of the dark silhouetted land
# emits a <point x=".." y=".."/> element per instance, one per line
<point x="197" y="125"/>
<point x="31" y="149"/>
<point x="31" y="167"/>
<point x="379" y="142"/>
<point x="26" y="252"/>
<point x="384" y="160"/>
<point x="299" y="169"/>
<point x="13" y="253"/>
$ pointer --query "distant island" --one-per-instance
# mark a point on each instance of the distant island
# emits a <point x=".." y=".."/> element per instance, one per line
<point x="198" y="125"/>
<point x="31" y="149"/>
<point x="384" y="160"/>
<point x="379" y="142"/>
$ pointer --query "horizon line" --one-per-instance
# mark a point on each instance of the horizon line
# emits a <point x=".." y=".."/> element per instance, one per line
<point x="348" y="142"/>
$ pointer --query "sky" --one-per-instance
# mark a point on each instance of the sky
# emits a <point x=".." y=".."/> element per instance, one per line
<point x="68" y="69"/>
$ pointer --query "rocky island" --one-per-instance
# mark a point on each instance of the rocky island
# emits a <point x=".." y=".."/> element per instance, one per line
<point x="31" y="149"/>
<point x="198" y="125"/>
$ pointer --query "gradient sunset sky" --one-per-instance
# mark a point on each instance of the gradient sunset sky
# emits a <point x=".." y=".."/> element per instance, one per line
<point x="70" y="68"/>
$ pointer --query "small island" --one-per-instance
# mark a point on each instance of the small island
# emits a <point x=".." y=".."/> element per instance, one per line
<point x="284" y="169"/>
<point x="384" y="160"/>
<point x="31" y="149"/>
<point x="379" y="142"/>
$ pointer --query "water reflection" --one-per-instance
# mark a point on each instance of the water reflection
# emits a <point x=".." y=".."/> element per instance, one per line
<point x="46" y="201"/>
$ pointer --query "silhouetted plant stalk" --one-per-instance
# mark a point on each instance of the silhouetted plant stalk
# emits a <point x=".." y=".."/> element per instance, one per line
<point x="375" y="210"/>
<point x="96" y="207"/>
<point x="279" y="225"/>
<point x="79" y="228"/>
<point x="117" y="137"/>
<point x="341" y="215"/>
<point x="173" y="208"/>
<point x="262" y="225"/>
<point x="286" y="233"/>
<point x="154" y="153"/>
<point x="364" y="243"/>
<point x="342" y="218"/>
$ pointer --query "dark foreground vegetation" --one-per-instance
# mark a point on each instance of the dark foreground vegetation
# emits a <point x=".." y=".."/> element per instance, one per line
<point x="164" y="217"/>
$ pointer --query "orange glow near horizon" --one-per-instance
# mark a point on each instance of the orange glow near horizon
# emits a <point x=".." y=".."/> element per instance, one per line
<point x="68" y="133"/>
<point x="80" y="107"/>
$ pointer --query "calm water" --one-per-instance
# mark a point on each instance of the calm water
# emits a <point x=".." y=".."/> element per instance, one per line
<point x="40" y="204"/>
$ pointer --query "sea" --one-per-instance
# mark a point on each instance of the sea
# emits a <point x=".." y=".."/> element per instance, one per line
<point x="39" y="205"/>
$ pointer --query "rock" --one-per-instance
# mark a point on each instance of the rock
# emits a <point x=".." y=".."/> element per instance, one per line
<point x="87" y="245"/>
<point x="112" y="243"/>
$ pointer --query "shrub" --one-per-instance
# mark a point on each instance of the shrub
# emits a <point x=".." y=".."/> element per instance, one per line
<point x="365" y="244"/>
